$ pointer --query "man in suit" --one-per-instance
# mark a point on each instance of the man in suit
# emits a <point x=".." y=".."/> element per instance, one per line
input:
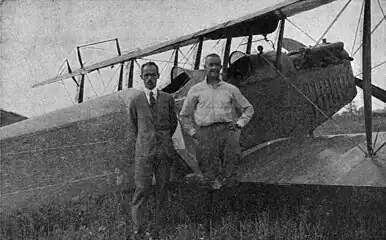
<point x="152" y="123"/>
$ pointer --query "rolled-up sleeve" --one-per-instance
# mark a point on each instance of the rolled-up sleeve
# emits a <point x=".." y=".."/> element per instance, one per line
<point x="244" y="105"/>
<point x="187" y="112"/>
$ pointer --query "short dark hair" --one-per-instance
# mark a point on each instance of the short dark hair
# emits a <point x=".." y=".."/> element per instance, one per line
<point x="212" y="55"/>
<point x="238" y="74"/>
<point x="149" y="64"/>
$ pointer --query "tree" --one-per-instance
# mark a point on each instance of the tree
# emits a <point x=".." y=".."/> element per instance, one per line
<point x="352" y="108"/>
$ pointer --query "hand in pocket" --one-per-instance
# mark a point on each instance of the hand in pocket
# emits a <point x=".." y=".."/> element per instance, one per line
<point x="198" y="137"/>
<point x="233" y="126"/>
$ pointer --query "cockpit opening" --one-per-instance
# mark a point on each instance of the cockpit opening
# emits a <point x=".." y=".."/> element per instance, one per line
<point x="240" y="65"/>
<point x="178" y="80"/>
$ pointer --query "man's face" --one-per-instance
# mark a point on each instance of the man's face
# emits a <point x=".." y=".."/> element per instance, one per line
<point x="213" y="66"/>
<point x="150" y="76"/>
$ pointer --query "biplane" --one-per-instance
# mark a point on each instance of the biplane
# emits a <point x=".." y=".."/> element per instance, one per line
<point x="69" y="153"/>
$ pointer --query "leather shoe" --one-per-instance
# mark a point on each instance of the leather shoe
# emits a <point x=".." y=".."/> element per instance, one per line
<point x="230" y="182"/>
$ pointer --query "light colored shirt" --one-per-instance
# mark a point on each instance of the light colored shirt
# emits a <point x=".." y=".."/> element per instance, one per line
<point x="147" y="93"/>
<point x="209" y="104"/>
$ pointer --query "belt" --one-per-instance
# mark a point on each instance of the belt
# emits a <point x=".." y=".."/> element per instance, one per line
<point x="217" y="124"/>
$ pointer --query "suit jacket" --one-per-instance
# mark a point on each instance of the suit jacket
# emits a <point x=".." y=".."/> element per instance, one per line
<point x="152" y="130"/>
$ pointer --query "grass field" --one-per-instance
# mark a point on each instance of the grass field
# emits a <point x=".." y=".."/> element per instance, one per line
<point x="251" y="211"/>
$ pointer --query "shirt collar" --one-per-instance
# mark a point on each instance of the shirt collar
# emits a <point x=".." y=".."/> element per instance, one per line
<point x="147" y="91"/>
<point x="218" y="84"/>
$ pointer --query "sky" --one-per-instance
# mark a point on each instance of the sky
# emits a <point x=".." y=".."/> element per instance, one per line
<point x="37" y="36"/>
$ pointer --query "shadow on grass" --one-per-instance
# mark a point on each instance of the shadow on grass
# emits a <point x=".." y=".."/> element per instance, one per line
<point x="250" y="211"/>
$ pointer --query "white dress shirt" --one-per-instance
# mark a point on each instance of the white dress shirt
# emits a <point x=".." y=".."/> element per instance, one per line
<point x="147" y="93"/>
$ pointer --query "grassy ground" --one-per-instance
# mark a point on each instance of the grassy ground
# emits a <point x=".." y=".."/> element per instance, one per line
<point x="251" y="211"/>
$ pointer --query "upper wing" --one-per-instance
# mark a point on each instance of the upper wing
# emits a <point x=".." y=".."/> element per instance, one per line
<point x="261" y="22"/>
<point x="290" y="44"/>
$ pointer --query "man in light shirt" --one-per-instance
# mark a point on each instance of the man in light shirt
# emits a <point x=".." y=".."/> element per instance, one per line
<point x="209" y="115"/>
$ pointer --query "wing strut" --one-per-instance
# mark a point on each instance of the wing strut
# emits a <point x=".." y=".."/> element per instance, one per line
<point x="176" y="57"/>
<point x="198" y="55"/>
<point x="279" y="45"/>
<point x="70" y="71"/>
<point x="226" y="57"/>
<point x="366" y="65"/>
<point x="131" y="74"/>
<point x="120" y="81"/>
<point x="249" y="45"/>
<point x="81" y="87"/>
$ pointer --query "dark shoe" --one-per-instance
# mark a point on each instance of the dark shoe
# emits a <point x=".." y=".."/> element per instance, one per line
<point x="217" y="184"/>
<point x="206" y="183"/>
<point x="230" y="182"/>
<point x="135" y="236"/>
<point x="154" y="235"/>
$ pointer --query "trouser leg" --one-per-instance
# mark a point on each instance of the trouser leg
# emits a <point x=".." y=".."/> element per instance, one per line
<point x="162" y="175"/>
<point x="231" y="152"/>
<point x="179" y="168"/>
<point x="143" y="181"/>
<point x="207" y="153"/>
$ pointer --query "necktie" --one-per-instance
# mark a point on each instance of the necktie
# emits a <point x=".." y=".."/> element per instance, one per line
<point x="152" y="99"/>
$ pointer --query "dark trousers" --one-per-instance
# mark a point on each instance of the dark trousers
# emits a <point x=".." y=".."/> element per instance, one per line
<point x="159" y="164"/>
<point x="219" y="152"/>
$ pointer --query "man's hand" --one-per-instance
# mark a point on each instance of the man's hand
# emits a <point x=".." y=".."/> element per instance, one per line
<point x="196" y="141"/>
<point x="234" y="126"/>
<point x="197" y="138"/>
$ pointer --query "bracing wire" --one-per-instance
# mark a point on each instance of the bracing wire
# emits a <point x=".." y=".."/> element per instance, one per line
<point x="309" y="100"/>
<point x="242" y="40"/>
<point x="68" y="93"/>
<point x="356" y="31"/>
<point x="189" y="55"/>
<point x="100" y="79"/>
<point x="329" y="51"/>
<point x="190" y="49"/>
<point x="380" y="6"/>
<point x="111" y="79"/>
<point x="332" y="23"/>
<point x="108" y="141"/>
<point x="379" y="23"/>
<point x="372" y="68"/>
<point x="60" y="71"/>
<point x="92" y="87"/>
<point x="165" y="65"/>
<point x="372" y="31"/>
<point x="301" y="92"/>
<point x="301" y="30"/>
<point x="214" y="46"/>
